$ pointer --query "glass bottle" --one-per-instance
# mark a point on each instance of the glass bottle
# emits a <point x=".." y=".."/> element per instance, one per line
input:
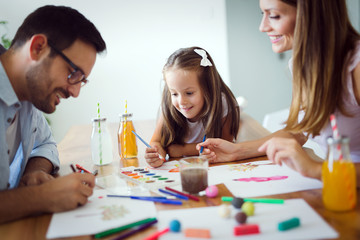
<point x="339" y="176"/>
<point x="127" y="139"/>
<point x="101" y="146"/>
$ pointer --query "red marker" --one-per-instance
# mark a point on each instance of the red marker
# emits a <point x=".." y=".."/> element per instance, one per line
<point x="81" y="168"/>
<point x="183" y="194"/>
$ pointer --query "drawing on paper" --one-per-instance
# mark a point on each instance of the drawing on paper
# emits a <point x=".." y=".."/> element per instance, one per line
<point x="109" y="213"/>
<point x="113" y="212"/>
<point x="245" y="167"/>
<point x="176" y="169"/>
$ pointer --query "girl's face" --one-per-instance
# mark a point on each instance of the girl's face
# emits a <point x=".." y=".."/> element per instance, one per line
<point x="186" y="94"/>
<point x="278" y="22"/>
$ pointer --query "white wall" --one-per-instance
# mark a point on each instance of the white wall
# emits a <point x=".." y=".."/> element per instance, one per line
<point x="256" y="72"/>
<point x="140" y="35"/>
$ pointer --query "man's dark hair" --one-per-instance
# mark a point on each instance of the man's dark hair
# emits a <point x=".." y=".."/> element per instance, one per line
<point x="62" y="26"/>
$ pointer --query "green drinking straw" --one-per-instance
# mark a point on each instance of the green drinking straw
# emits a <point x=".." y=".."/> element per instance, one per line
<point x="100" y="144"/>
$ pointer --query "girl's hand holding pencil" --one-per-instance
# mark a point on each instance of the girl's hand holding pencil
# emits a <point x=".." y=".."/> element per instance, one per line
<point x="154" y="155"/>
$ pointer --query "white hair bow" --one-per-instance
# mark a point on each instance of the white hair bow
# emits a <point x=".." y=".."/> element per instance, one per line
<point x="204" y="61"/>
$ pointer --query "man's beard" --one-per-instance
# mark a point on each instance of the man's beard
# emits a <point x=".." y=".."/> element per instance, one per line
<point x="39" y="84"/>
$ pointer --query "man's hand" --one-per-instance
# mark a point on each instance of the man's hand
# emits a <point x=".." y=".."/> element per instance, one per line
<point x="68" y="192"/>
<point x="35" y="178"/>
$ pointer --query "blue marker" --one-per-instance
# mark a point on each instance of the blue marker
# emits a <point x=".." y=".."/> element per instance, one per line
<point x="202" y="148"/>
<point x="173" y="194"/>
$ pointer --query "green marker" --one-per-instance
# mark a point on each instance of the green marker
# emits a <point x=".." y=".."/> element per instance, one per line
<point x="122" y="228"/>
<point x="258" y="200"/>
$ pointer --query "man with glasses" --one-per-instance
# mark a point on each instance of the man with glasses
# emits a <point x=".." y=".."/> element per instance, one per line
<point x="51" y="55"/>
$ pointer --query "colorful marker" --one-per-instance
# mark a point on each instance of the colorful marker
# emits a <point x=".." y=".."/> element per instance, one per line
<point x="202" y="148"/>
<point x="183" y="194"/>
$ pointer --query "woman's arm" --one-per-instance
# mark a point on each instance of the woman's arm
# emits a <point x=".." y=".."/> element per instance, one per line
<point x="219" y="150"/>
<point x="226" y="133"/>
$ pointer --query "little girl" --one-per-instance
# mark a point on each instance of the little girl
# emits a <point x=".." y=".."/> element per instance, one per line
<point x="195" y="102"/>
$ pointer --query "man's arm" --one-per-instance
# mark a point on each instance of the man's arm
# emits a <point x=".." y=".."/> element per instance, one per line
<point x="60" y="194"/>
<point x="37" y="171"/>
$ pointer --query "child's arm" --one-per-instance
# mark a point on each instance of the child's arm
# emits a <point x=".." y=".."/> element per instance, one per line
<point x="189" y="149"/>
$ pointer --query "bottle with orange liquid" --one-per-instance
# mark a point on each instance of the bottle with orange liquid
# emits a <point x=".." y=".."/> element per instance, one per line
<point x="126" y="139"/>
<point x="339" y="176"/>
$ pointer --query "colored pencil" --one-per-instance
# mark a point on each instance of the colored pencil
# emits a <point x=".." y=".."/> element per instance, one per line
<point x="202" y="148"/>
<point x="135" y="230"/>
<point x="158" y="199"/>
<point x="174" y="194"/>
<point x="122" y="228"/>
<point x="81" y="168"/>
<point x="130" y="196"/>
<point x="184" y="194"/>
<point x="73" y="168"/>
<point x="157" y="234"/>
<point x="164" y="201"/>
<point x="148" y="145"/>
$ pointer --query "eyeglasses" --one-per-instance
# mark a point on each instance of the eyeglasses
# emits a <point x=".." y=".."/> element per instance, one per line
<point x="77" y="75"/>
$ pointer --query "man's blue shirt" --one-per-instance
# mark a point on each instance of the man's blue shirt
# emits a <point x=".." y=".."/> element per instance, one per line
<point x="36" y="139"/>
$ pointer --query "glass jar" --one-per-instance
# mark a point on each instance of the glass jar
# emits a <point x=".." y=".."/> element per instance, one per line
<point x="127" y="139"/>
<point x="339" y="176"/>
<point x="101" y="146"/>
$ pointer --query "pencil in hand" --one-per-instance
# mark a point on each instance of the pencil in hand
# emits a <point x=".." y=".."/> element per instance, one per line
<point x="148" y="145"/>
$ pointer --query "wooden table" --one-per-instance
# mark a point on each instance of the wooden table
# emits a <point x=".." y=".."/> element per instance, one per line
<point x="75" y="148"/>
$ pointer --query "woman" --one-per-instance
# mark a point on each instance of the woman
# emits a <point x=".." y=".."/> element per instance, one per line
<point x="326" y="79"/>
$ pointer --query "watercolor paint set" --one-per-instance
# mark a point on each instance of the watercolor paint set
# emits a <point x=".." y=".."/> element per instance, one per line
<point x="149" y="178"/>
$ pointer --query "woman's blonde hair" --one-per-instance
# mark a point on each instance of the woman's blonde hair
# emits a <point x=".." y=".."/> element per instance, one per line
<point x="213" y="87"/>
<point x="323" y="42"/>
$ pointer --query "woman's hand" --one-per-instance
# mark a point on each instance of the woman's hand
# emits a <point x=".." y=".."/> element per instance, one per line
<point x="290" y="152"/>
<point x="218" y="150"/>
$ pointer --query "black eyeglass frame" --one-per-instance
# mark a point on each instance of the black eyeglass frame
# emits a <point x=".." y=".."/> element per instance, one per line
<point x="82" y="79"/>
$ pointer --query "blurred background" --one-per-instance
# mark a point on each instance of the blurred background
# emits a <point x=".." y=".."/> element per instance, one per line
<point x="142" y="34"/>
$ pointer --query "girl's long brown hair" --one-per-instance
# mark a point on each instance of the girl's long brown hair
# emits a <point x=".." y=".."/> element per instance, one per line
<point x="175" y="125"/>
<point x="323" y="42"/>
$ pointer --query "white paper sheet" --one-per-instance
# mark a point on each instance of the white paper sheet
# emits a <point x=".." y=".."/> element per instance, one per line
<point x="99" y="214"/>
<point x="293" y="182"/>
<point x="267" y="216"/>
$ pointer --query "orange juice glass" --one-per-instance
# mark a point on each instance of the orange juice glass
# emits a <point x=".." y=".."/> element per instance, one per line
<point x="339" y="177"/>
<point x="126" y="139"/>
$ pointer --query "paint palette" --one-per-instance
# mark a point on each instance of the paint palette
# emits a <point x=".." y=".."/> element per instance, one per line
<point x="152" y="179"/>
